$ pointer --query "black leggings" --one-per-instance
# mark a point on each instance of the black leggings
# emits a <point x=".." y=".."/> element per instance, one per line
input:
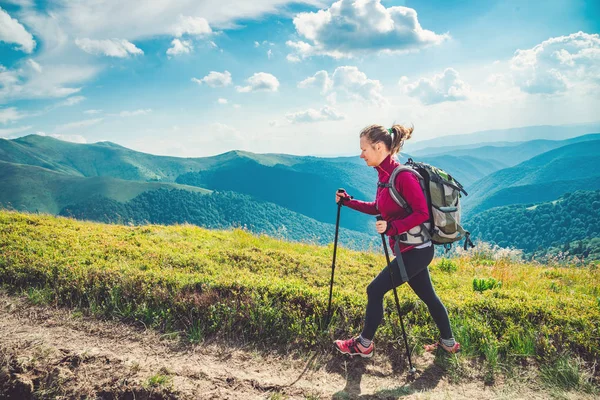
<point x="416" y="262"/>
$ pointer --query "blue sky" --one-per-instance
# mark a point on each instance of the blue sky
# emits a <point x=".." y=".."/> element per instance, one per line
<point x="197" y="78"/>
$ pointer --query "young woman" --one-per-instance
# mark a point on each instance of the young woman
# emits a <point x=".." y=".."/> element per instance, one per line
<point x="378" y="148"/>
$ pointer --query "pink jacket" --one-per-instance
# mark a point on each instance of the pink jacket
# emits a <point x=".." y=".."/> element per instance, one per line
<point x="398" y="221"/>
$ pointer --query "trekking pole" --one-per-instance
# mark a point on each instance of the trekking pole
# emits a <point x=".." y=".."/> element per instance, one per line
<point x="337" y="228"/>
<point x="412" y="370"/>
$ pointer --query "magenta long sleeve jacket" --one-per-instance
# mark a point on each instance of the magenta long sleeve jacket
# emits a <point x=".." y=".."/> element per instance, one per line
<point x="398" y="220"/>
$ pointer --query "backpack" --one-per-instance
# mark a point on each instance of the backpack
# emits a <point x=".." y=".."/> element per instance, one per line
<point x="443" y="194"/>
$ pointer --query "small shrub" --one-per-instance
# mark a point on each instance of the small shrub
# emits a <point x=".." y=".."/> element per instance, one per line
<point x="483" y="284"/>
<point x="158" y="380"/>
<point x="447" y="265"/>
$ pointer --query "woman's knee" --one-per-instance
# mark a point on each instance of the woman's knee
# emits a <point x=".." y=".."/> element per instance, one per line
<point x="373" y="291"/>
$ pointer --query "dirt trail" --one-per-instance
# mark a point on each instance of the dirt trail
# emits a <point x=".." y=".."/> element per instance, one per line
<point x="58" y="355"/>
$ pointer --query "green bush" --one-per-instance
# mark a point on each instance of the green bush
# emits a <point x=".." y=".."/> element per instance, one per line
<point x="483" y="284"/>
<point x="447" y="265"/>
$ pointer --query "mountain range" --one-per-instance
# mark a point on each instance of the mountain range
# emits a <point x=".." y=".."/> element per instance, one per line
<point x="111" y="182"/>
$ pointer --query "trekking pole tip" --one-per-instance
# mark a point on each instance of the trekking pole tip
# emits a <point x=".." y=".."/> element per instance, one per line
<point x="412" y="371"/>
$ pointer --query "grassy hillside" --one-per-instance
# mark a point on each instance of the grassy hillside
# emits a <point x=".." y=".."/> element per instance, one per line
<point x="31" y="188"/>
<point x="509" y="156"/>
<point x="231" y="284"/>
<point x="566" y="169"/>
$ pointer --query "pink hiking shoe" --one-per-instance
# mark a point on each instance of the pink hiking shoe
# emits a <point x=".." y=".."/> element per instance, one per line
<point x="433" y="347"/>
<point x="353" y="347"/>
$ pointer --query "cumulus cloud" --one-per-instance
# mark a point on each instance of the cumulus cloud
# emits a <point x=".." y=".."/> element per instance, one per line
<point x="349" y="81"/>
<point x="222" y="101"/>
<point x="311" y="115"/>
<point x="120" y="48"/>
<point x="446" y="86"/>
<point x="320" y="80"/>
<point x="557" y="64"/>
<point x="11" y="31"/>
<point x="92" y="112"/>
<point x="215" y="79"/>
<point x="260" y="81"/>
<point x="191" y="26"/>
<point x="351" y="27"/>
<point x="180" y="47"/>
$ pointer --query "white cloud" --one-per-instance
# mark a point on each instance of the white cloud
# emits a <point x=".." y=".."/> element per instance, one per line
<point x="264" y="43"/>
<point x="215" y="79"/>
<point x="311" y="115"/>
<point x="191" y="26"/>
<point x="180" y="47"/>
<point x="557" y="64"/>
<point x="35" y="66"/>
<point x="320" y="80"/>
<point x="71" y="101"/>
<point x="11" y="31"/>
<point x="125" y="114"/>
<point x="446" y="86"/>
<point x="20" y="3"/>
<point x="78" y="124"/>
<point x="222" y="101"/>
<point x="9" y="114"/>
<point x="92" y="112"/>
<point x="120" y="48"/>
<point x="293" y="58"/>
<point x="52" y="81"/>
<point x="269" y="53"/>
<point x="352" y="27"/>
<point x="260" y="81"/>
<point x="349" y="81"/>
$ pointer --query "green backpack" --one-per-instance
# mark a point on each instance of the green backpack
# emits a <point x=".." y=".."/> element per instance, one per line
<point x="443" y="194"/>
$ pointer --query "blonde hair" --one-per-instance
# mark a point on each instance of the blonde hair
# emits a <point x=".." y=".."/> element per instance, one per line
<point x="393" y="138"/>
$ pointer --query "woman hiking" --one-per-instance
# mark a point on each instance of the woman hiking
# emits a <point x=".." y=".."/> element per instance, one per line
<point x="378" y="148"/>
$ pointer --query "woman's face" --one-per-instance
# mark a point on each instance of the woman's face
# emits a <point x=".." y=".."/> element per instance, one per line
<point x="372" y="154"/>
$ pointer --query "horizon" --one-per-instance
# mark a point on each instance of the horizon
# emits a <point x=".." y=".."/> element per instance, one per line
<point x="490" y="143"/>
<point x="194" y="79"/>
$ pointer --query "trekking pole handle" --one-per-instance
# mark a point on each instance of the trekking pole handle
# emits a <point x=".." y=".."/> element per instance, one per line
<point x="342" y="191"/>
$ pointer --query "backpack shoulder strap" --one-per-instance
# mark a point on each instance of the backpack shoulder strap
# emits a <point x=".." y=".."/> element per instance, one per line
<point x="392" y="187"/>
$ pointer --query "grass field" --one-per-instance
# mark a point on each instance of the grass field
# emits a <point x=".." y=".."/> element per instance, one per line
<point x="234" y="285"/>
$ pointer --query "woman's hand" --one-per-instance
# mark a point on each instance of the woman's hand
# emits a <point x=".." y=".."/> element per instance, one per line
<point x="381" y="226"/>
<point x="339" y="196"/>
